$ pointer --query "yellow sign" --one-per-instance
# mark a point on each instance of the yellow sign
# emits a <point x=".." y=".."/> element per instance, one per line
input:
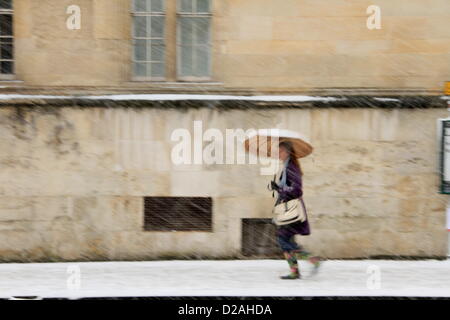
<point x="447" y="88"/>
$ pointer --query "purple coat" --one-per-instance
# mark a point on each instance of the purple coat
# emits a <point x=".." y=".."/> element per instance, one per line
<point x="292" y="190"/>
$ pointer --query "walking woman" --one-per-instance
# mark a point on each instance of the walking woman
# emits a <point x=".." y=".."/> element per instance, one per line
<point x="289" y="187"/>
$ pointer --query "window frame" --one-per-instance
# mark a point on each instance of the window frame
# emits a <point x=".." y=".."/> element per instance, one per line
<point x="12" y="75"/>
<point x="180" y="14"/>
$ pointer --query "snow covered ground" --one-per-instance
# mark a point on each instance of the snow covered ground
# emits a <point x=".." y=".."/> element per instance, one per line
<point x="224" y="278"/>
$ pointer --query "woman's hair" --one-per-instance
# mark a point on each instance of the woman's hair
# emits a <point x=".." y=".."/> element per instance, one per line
<point x="294" y="157"/>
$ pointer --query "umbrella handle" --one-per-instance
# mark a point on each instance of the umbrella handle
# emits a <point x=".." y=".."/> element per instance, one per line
<point x="269" y="186"/>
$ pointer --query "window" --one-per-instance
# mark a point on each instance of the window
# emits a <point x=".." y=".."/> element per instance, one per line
<point x="193" y="39"/>
<point x="178" y="214"/>
<point x="171" y="40"/>
<point x="148" y="39"/>
<point x="6" y="39"/>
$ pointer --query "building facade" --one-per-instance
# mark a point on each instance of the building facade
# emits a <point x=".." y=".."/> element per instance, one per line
<point x="87" y="176"/>
<point x="254" y="45"/>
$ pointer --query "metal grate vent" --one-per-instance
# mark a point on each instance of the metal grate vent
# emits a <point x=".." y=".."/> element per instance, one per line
<point x="258" y="238"/>
<point x="178" y="214"/>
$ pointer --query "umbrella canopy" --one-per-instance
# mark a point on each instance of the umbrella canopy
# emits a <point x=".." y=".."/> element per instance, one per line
<point x="260" y="142"/>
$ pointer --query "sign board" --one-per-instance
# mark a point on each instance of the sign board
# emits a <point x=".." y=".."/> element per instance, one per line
<point x="444" y="157"/>
<point x="448" y="218"/>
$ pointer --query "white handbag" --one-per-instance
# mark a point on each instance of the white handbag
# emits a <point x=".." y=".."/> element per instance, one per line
<point x="289" y="212"/>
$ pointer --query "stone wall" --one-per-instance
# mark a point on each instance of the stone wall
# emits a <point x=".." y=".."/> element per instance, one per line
<point x="73" y="181"/>
<point x="263" y="45"/>
<point x="326" y="44"/>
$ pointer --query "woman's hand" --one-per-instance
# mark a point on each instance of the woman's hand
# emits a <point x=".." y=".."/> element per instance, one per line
<point x="274" y="185"/>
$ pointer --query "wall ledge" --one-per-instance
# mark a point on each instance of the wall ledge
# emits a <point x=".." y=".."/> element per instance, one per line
<point x="226" y="101"/>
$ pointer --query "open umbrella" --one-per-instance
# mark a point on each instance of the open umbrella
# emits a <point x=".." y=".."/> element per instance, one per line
<point x="260" y="142"/>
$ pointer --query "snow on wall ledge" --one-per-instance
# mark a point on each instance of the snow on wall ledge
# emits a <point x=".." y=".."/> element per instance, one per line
<point x="158" y="97"/>
<point x="226" y="101"/>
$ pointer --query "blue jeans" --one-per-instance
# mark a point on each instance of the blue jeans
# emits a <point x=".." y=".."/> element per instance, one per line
<point x="287" y="242"/>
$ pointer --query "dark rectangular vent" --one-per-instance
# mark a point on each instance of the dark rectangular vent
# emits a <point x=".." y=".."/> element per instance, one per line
<point x="258" y="238"/>
<point x="178" y="214"/>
